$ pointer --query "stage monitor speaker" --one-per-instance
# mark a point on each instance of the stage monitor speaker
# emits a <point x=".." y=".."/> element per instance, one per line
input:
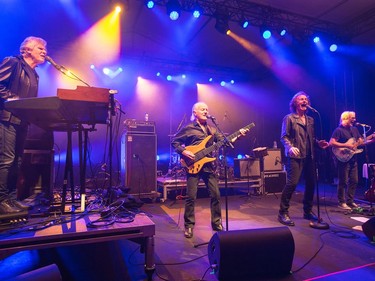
<point x="246" y="168"/>
<point x="256" y="253"/>
<point x="369" y="229"/>
<point x="272" y="161"/>
<point x="274" y="181"/>
<point x="138" y="154"/>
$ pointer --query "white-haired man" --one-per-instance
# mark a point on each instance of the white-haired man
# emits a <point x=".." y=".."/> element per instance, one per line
<point x="18" y="79"/>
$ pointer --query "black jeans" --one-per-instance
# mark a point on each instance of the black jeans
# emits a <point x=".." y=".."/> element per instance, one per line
<point x="12" y="140"/>
<point x="191" y="189"/>
<point x="348" y="177"/>
<point x="294" y="169"/>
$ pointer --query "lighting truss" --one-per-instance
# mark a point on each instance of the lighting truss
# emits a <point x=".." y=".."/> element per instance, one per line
<point x="261" y="15"/>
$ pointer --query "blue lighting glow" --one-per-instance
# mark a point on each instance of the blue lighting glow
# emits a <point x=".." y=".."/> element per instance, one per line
<point x="150" y="4"/>
<point x="245" y="24"/>
<point x="316" y="39"/>
<point x="266" y="34"/>
<point x="333" y="48"/>
<point x="174" y="15"/>
<point x="169" y="77"/>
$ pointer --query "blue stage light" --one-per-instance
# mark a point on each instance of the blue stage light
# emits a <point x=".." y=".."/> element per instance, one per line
<point x="316" y="39"/>
<point x="173" y="9"/>
<point x="266" y="34"/>
<point x="333" y="48"/>
<point x="150" y="4"/>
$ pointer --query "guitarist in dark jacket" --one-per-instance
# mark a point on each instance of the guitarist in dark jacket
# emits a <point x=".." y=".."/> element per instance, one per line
<point x="194" y="134"/>
<point x="345" y="139"/>
<point x="298" y="138"/>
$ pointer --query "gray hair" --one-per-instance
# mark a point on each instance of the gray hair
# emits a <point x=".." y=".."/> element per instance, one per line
<point x="30" y="42"/>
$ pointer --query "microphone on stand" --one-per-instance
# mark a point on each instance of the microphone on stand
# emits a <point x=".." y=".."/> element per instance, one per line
<point x="311" y="108"/>
<point x="211" y="117"/>
<point x="361" y="124"/>
<point x="55" y="65"/>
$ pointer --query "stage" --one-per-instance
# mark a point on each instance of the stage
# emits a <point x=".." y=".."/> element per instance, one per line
<point x="79" y="229"/>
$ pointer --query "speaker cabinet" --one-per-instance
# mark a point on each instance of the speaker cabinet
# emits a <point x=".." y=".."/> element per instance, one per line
<point x="252" y="253"/>
<point x="272" y="161"/>
<point x="36" y="173"/>
<point x="138" y="154"/>
<point x="274" y="182"/>
<point x="246" y="168"/>
<point x="369" y="229"/>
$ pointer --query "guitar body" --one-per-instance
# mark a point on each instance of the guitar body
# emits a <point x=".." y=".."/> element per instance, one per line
<point x="344" y="154"/>
<point x="193" y="166"/>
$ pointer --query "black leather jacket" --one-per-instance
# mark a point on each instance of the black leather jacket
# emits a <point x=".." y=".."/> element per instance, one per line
<point x="295" y="134"/>
<point x="15" y="82"/>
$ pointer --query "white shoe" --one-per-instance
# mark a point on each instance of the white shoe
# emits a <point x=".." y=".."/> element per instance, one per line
<point x="344" y="206"/>
<point x="353" y="205"/>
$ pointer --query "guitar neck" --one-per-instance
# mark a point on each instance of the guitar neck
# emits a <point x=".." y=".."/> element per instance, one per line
<point x="219" y="144"/>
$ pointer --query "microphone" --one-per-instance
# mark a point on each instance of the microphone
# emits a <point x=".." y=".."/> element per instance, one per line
<point x="211" y="117"/>
<point x="51" y="61"/>
<point x="361" y="124"/>
<point x="311" y="108"/>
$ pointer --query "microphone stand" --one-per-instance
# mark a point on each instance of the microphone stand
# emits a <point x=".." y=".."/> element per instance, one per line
<point x="319" y="224"/>
<point x="227" y="142"/>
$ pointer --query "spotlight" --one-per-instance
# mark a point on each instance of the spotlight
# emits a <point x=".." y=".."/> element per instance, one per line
<point x="150" y="4"/>
<point x="173" y="9"/>
<point x="266" y="33"/>
<point x="333" y="48"/>
<point x="282" y="31"/>
<point x="169" y="77"/>
<point x="316" y="39"/>
<point x="244" y="23"/>
<point x="222" y="25"/>
<point x="197" y="11"/>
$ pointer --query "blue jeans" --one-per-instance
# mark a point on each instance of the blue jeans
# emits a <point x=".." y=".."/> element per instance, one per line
<point x="12" y="139"/>
<point x="294" y="169"/>
<point x="191" y="189"/>
<point x="348" y="178"/>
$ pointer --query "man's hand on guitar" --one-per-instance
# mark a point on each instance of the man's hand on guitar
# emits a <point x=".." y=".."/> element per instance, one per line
<point x="188" y="154"/>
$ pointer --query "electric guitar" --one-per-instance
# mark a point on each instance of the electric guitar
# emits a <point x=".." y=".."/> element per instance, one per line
<point x="193" y="166"/>
<point x="344" y="154"/>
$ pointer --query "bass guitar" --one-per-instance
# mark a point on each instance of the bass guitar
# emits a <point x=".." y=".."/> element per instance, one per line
<point x="344" y="154"/>
<point x="193" y="166"/>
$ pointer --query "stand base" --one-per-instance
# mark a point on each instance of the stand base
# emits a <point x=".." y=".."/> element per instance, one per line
<point x="319" y="224"/>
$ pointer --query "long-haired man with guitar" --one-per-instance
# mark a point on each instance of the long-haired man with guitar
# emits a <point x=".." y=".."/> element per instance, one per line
<point x="194" y="142"/>
<point x="298" y="138"/>
<point x="345" y="141"/>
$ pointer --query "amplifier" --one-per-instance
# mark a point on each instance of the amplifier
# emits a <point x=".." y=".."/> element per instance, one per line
<point x="272" y="161"/>
<point x="246" y="168"/>
<point x="139" y="126"/>
<point x="274" y="182"/>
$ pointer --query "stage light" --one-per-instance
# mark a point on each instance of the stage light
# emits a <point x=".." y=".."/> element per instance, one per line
<point x="150" y="4"/>
<point x="173" y="9"/>
<point x="222" y="25"/>
<point x="232" y="82"/>
<point x="92" y="66"/>
<point x="197" y="11"/>
<point x="106" y="70"/>
<point x="266" y="34"/>
<point x="244" y="23"/>
<point x="316" y="39"/>
<point x="169" y="77"/>
<point x="282" y="31"/>
<point x="210" y="79"/>
<point x="333" y="48"/>
<point x="222" y="83"/>
<point x="158" y="74"/>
